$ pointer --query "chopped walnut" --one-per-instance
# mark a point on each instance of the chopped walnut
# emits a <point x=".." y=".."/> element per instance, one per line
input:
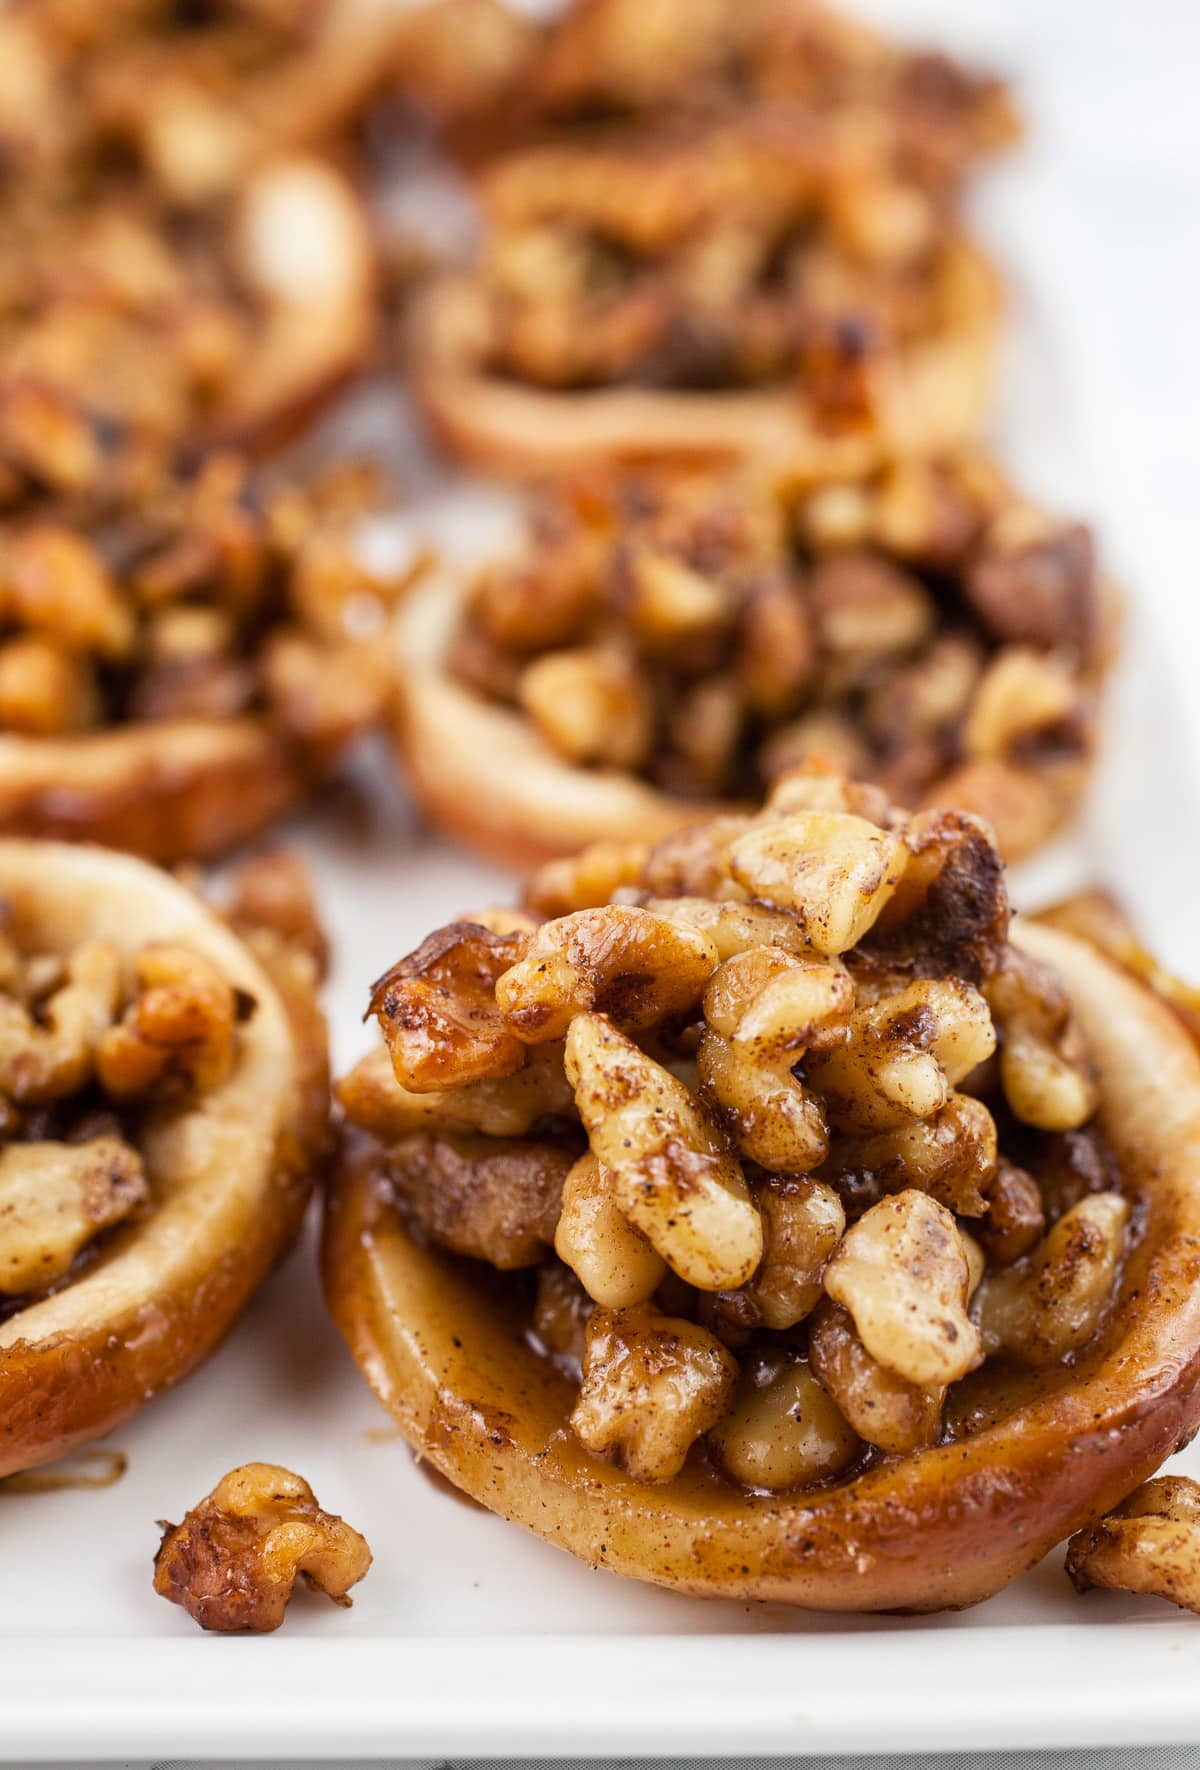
<point x="1150" y="1544"/>
<point x="55" y="1198"/>
<point x="832" y="871"/>
<point x="613" y="1261"/>
<point x="180" y="1027"/>
<point x="903" y="1274"/>
<point x="47" y="1057"/>
<point x="439" y="1013"/>
<point x="1050" y="1303"/>
<point x="782" y="1430"/>
<point x="496" y="1199"/>
<point x="234" y="1561"/>
<point x="951" y="1156"/>
<point x="651" y="1387"/>
<point x="507" y="1107"/>
<point x="1043" y="1065"/>
<point x="587" y="880"/>
<point x="882" y="1407"/>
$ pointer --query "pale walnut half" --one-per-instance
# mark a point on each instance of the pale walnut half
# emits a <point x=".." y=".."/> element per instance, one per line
<point x="782" y="1429"/>
<point x="652" y="1386"/>
<point x="57" y="1197"/>
<point x="1050" y="1303"/>
<point x="833" y="871"/>
<point x="1150" y="1544"/>
<point x="234" y="1561"/>
<point x="613" y="1261"/>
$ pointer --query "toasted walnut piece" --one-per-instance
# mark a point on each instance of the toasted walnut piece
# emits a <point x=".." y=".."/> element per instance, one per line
<point x="833" y="871"/>
<point x="1150" y="1544"/>
<point x="951" y="1156"/>
<point x="438" y="1012"/>
<point x="561" y="1311"/>
<point x="923" y="702"/>
<point x="803" y="1221"/>
<point x="1015" y="1217"/>
<point x="819" y="734"/>
<point x="1035" y="584"/>
<point x="1044" y="1067"/>
<point x="44" y="690"/>
<point x="732" y="928"/>
<point x="703" y="730"/>
<point x="494" y="1199"/>
<point x="674" y="1175"/>
<point x="637" y="967"/>
<point x="902" y="1273"/>
<point x="880" y="1406"/>
<point x="1023" y="697"/>
<point x="824" y="786"/>
<point x="234" y="1560"/>
<point x="695" y="861"/>
<point x="55" y="1198"/>
<point x="181" y="1026"/>
<point x="904" y="1055"/>
<point x="775" y="1121"/>
<point x="866" y="610"/>
<point x="782" y="1430"/>
<point x="586" y="880"/>
<point x="274" y="891"/>
<point x="591" y="704"/>
<point x="1051" y="1303"/>
<point x="510" y="1106"/>
<point x="949" y="914"/>
<point x="611" y="1259"/>
<point x="54" y="582"/>
<point x="668" y="602"/>
<point x="47" y="1058"/>
<point x="777" y="649"/>
<point x="651" y="1386"/>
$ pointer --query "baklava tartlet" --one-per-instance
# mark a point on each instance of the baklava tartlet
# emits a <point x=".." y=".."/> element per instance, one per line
<point x="765" y="1215"/>
<point x="726" y="290"/>
<point x="665" y="641"/>
<point x="174" y="679"/>
<point x="163" y="1107"/>
<point x="762" y="1215"/>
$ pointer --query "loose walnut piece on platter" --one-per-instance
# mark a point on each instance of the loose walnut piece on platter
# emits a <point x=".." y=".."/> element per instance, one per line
<point x="1149" y="1545"/>
<point x="234" y="1561"/>
<point x="812" y="1279"/>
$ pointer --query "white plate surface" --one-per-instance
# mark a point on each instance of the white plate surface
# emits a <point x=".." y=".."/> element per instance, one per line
<point x="469" y="1637"/>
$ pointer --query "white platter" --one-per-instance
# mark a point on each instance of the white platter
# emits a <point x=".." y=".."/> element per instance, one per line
<point x="468" y="1637"/>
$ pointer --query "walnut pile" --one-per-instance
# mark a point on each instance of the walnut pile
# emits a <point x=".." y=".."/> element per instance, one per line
<point x="925" y="628"/>
<point x="219" y="599"/>
<point x="234" y="1561"/>
<point x="734" y="259"/>
<point x="792" y="1136"/>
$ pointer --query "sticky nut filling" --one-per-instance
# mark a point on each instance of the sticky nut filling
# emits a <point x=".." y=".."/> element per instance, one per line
<point x="782" y="1136"/>
<point x="220" y="599"/>
<point x="925" y="628"/>
<point x="94" y="1044"/>
<point x="737" y="258"/>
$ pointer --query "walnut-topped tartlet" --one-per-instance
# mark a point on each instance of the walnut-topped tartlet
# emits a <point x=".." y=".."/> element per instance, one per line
<point x="669" y="640"/>
<point x="163" y="1103"/>
<point x="729" y="290"/>
<point x="762" y="1215"/>
<point x="172" y="681"/>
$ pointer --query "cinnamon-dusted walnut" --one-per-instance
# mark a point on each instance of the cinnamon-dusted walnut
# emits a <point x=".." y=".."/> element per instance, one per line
<point x="586" y="880"/>
<point x="634" y="966"/>
<point x="612" y="1260"/>
<point x="1015" y="1217"/>
<point x="508" y="1107"/>
<point x="675" y="1176"/>
<point x="952" y="1156"/>
<point x="234" y="1561"/>
<point x="1052" y="1302"/>
<point x="1149" y="1544"/>
<point x="1043" y="1065"/>
<point x="180" y="1027"/>
<point x="57" y="1197"/>
<point x="733" y="927"/>
<point x="591" y="703"/>
<point x="44" y="1058"/>
<point x="903" y="1274"/>
<point x="832" y="871"/>
<point x="496" y="1199"/>
<point x="651" y="1386"/>
<point x="904" y="1056"/>
<point x="438" y="1009"/>
<point x="882" y="1407"/>
<point x="782" y="1429"/>
<point x="803" y="1222"/>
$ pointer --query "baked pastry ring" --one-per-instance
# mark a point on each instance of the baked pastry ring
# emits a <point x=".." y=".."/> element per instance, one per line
<point x="661" y="643"/>
<point x="172" y="684"/>
<point x="1060" y="1423"/>
<point x="735" y="291"/>
<point x="166" y="1082"/>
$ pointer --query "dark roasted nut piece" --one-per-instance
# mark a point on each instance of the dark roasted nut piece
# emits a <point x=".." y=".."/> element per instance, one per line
<point x="1034" y="584"/>
<point x="496" y="1199"/>
<point x="57" y="1197"/>
<point x="508" y="1107"/>
<point x="651" y="1386"/>
<point x="1150" y="1544"/>
<point x="949" y="912"/>
<point x="234" y="1561"/>
<point x="181" y="1026"/>
<point x="438" y="1011"/>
